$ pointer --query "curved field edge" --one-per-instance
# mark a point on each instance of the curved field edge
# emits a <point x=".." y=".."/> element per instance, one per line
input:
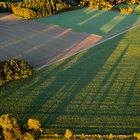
<point x="96" y="91"/>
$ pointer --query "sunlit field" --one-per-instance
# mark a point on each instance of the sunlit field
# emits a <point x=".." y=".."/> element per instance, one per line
<point x="96" y="91"/>
<point x="93" y="21"/>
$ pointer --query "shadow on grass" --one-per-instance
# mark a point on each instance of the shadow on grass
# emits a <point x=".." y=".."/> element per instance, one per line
<point x="92" y="21"/>
<point x="56" y="94"/>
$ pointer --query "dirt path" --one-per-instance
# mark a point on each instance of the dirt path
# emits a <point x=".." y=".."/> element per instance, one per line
<point x="40" y="43"/>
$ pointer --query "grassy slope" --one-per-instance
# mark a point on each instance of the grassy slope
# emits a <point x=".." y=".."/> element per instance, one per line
<point x="94" y="91"/>
<point x="93" y="21"/>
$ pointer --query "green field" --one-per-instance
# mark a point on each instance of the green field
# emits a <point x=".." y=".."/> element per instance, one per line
<point x="93" y="21"/>
<point x="97" y="91"/>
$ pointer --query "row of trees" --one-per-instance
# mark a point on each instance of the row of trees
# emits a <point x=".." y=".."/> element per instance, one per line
<point x="114" y="2"/>
<point x="111" y="4"/>
<point x="11" y="129"/>
<point x="34" y="8"/>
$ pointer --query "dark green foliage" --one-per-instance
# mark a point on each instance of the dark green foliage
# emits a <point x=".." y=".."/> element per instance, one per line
<point x="31" y="9"/>
<point x="5" y="6"/>
<point x="24" y="12"/>
<point x="14" y="70"/>
<point x="11" y="130"/>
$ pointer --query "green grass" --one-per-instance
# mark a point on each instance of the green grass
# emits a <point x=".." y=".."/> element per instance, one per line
<point x="96" y="91"/>
<point x="93" y="21"/>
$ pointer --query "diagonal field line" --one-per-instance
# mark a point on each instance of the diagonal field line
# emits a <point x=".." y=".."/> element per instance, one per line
<point x="100" y="42"/>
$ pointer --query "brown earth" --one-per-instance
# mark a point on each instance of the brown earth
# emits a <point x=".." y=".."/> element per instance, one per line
<point x="40" y="43"/>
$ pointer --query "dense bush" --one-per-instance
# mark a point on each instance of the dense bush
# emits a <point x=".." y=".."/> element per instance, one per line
<point x="68" y="134"/>
<point x="37" y="8"/>
<point x="31" y="9"/>
<point x="23" y="12"/>
<point x="133" y="1"/>
<point x="11" y="130"/>
<point x="114" y="2"/>
<point x="114" y="5"/>
<point x="126" y="10"/>
<point x="100" y="4"/>
<point x="5" y="6"/>
<point x="14" y="70"/>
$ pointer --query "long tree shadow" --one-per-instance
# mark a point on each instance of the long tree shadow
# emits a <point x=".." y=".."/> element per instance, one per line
<point x="108" y="75"/>
<point x="51" y="101"/>
<point x="131" y="91"/>
<point x="106" y="22"/>
<point x="71" y="79"/>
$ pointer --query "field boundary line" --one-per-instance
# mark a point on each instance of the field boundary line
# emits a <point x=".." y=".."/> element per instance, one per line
<point x="98" y="43"/>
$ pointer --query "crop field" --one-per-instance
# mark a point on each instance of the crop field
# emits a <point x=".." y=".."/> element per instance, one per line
<point x="96" y="91"/>
<point x="104" y="23"/>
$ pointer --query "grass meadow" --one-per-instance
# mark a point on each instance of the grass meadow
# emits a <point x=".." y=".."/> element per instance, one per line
<point x="103" y="23"/>
<point x="96" y="91"/>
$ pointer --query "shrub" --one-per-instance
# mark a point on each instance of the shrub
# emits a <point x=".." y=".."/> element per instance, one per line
<point x="28" y="136"/>
<point x="83" y="3"/>
<point x="5" y="6"/>
<point x="12" y="131"/>
<point x="23" y="12"/>
<point x="10" y="128"/>
<point x="110" y="136"/>
<point x="137" y="135"/>
<point x="14" y="70"/>
<point x="68" y="134"/>
<point x="34" y="124"/>
<point x="126" y="10"/>
<point x="132" y="1"/>
<point x="100" y="4"/>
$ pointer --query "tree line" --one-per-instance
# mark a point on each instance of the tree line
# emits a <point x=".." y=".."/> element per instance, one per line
<point x="34" y="8"/>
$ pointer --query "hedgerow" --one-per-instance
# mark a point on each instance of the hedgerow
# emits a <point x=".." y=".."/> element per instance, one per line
<point x="34" y="9"/>
<point x="14" y="69"/>
<point x="11" y="129"/>
<point x="113" y="5"/>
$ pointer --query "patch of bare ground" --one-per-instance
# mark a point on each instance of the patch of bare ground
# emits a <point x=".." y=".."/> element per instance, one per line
<point x="40" y="43"/>
<point x="9" y="18"/>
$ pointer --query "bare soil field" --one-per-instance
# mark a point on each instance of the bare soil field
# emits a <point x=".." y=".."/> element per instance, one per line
<point x="9" y="18"/>
<point x="40" y="43"/>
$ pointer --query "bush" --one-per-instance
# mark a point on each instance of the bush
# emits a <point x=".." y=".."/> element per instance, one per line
<point x="5" y="6"/>
<point x="23" y="12"/>
<point x="31" y="9"/>
<point x="126" y="10"/>
<point x="132" y="1"/>
<point x="68" y="134"/>
<point x="100" y="4"/>
<point x="137" y="135"/>
<point x="34" y="124"/>
<point x="11" y="130"/>
<point x="14" y="70"/>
